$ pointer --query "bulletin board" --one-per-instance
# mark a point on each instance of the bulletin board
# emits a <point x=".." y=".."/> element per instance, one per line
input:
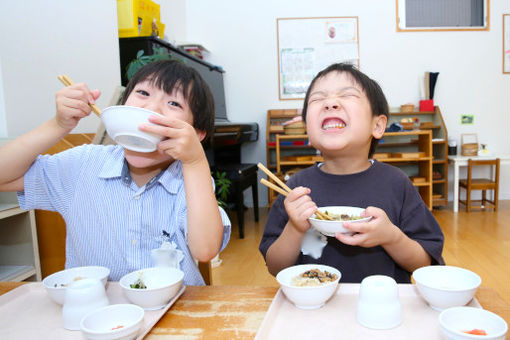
<point x="308" y="45"/>
<point x="506" y="43"/>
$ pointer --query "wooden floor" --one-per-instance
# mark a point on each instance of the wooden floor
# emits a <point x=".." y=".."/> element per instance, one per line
<point x="479" y="241"/>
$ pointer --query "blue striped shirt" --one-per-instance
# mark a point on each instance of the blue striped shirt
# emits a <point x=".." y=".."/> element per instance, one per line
<point x="109" y="220"/>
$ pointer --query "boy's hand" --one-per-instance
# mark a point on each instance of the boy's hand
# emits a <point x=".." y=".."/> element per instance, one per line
<point x="299" y="207"/>
<point x="376" y="232"/>
<point x="181" y="141"/>
<point x="73" y="104"/>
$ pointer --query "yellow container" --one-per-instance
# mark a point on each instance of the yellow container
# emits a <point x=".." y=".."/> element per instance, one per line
<point x="139" y="18"/>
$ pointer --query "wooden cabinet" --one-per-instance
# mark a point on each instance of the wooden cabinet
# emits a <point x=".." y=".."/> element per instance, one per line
<point x="432" y="121"/>
<point x="19" y="253"/>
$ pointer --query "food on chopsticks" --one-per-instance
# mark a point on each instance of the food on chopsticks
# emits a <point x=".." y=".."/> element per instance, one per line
<point x="476" y="332"/>
<point x="313" y="277"/>
<point x="339" y="217"/>
<point x="77" y="278"/>
<point x="138" y="284"/>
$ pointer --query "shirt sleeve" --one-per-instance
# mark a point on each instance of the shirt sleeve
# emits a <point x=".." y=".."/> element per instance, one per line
<point x="227" y="228"/>
<point x="418" y="223"/>
<point x="51" y="180"/>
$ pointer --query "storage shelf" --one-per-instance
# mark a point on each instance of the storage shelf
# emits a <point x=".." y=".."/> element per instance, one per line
<point x="440" y="161"/>
<point x="16" y="273"/>
<point x="397" y="113"/>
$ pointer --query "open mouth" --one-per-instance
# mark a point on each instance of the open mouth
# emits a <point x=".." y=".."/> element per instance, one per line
<point x="333" y="123"/>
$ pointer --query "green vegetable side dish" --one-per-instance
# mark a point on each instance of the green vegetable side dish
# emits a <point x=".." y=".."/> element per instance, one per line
<point x="138" y="284"/>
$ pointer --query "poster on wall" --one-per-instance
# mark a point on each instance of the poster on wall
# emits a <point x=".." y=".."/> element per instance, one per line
<point x="308" y="45"/>
<point x="506" y="43"/>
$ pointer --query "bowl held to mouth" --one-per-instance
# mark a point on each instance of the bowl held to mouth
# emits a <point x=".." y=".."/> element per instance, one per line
<point x="121" y="123"/>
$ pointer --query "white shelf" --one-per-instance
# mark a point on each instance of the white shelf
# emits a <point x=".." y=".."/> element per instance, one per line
<point x="19" y="251"/>
<point x="16" y="273"/>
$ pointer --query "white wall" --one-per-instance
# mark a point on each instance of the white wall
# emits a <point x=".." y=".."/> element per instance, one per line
<point x="241" y="36"/>
<point x="41" y="39"/>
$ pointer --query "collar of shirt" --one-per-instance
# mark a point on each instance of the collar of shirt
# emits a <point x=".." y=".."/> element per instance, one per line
<point x="117" y="167"/>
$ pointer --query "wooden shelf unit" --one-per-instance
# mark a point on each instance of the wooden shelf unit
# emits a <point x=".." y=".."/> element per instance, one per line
<point x="439" y="148"/>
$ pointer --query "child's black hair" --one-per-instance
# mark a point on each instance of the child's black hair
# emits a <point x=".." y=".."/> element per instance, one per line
<point x="373" y="91"/>
<point x="169" y="74"/>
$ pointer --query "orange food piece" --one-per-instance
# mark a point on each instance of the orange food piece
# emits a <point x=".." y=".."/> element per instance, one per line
<point x="118" y="327"/>
<point x="476" y="332"/>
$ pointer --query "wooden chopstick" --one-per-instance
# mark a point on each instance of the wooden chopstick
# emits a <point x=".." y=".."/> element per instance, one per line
<point x="285" y="189"/>
<point x="68" y="82"/>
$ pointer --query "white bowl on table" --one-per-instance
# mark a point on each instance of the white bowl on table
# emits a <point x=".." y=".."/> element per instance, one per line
<point x="455" y="321"/>
<point x="330" y="228"/>
<point x="446" y="286"/>
<point x="309" y="297"/>
<point x="163" y="283"/>
<point x="122" y="122"/>
<point x="121" y="321"/>
<point x="56" y="283"/>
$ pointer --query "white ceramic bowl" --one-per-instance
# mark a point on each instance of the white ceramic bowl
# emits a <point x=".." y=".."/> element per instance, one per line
<point x="330" y="228"/>
<point x="82" y="297"/>
<point x="122" y="122"/>
<point x="378" y="303"/>
<point x="104" y="323"/>
<point x="446" y="286"/>
<point x="56" y="283"/>
<point x="162" y="285"/>
<point x="453" y="321"/>
<point x="307" y="297"/>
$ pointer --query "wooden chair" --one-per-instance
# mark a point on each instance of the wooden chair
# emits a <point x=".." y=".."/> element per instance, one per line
<point x="483" y="184"/>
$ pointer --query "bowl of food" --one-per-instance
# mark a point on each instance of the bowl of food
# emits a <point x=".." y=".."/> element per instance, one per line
<point x="446" y="286"/>
<point x="339" y="215"/>
<point x="309" y="286"/>
<point x="464" y="323"/>
<point x="122" y="122"/>
<point x="122" y="321"/>
<point x="57" y="283"/>
<point x="152" y="288"/>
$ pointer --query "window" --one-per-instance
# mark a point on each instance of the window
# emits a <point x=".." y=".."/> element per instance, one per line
<point x="442" y="15"/>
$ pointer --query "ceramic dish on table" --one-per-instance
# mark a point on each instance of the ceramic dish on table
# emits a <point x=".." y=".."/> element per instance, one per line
<point x="465" y="323"/>
<point x="306" y="296"/>
<point x="56" y="283"/>
<point x="446" y="286"/>
<point x="122" y="122"/>
<point x="152" y="288"/>
<point x="121" y="321"/>
<point x="331" y="227"/>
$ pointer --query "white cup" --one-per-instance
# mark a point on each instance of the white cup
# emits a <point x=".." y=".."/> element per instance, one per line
<point x="378" y="303"/>
<point x="82" y="297"/>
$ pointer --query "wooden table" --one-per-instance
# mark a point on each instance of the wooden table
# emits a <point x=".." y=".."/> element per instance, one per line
<point x="236" y="312"/>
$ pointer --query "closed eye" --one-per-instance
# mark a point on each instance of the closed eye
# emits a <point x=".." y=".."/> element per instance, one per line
<point x="143" y="92"/>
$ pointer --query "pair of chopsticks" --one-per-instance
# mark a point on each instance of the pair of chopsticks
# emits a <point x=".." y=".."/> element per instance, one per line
<point x="283" y="188"/>
<point x="68" y="82"/>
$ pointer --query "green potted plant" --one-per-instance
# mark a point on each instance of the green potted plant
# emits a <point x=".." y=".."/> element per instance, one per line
<point x="222" y="185"/>
<point x="141" y="60"/>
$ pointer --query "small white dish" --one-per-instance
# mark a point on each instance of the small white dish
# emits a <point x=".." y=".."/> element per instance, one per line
<point x="309" y="297"/>
<point x="122" y="122"/>
<point x="82" y="297"/>
<point x="56" y="284"/>
<point x="330" y="228"/>
<point x="446" y="286"/>
<point x="122" y="321"/>
<point x="456" y="321"/>
<point x="379" y="303"/>
<point x="162" y="283"/>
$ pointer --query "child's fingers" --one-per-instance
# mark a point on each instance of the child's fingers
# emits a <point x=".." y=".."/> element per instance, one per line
<point x="352" y="240"/>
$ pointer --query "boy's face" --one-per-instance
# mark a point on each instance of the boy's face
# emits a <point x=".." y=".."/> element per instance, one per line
<point x="339" y="119"/>
<point x="152" y="98"/>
